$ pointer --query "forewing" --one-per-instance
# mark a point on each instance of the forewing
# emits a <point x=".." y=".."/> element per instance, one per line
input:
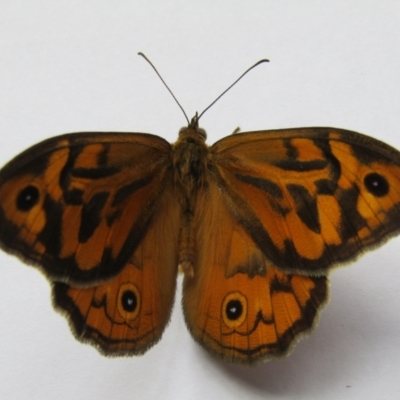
<point x="310" y="198"/>
<point x="78" y="205"/>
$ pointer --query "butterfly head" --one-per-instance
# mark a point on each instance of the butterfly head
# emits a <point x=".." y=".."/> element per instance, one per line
<point x="193" y="130"/>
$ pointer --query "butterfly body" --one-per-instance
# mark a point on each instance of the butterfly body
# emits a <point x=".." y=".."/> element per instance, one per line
<point x="190" y="163"/>
<point x="255" y="222"/>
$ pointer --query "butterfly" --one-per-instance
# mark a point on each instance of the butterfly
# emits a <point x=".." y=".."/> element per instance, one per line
<point x="255" y="222"/>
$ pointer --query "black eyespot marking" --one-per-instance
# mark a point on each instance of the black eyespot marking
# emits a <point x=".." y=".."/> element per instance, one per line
<point x="234" y="310"/>
<point x="129" y="301"/>
<point x="27" y="198"/>
<point x="376" y="184"/>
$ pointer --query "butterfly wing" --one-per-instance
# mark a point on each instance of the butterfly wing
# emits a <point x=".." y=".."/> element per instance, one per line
<point x="97" y="213"/>
<point x="127" y="314"/>
<point x="238" y="305"/>
<point x="310" y="198"/>
<point x="281" y="208"/>
<point x="78" y="205"/>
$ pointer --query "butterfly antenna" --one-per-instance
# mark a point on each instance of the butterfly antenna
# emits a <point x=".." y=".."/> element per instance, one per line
<point x="162" y="80"/>
<point x="233" y="84"/>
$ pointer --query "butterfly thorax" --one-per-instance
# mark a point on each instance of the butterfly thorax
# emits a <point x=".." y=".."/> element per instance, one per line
<point x="191" y="157"/>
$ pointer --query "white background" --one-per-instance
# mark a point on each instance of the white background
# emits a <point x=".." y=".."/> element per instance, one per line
<point x="72" y="66"/>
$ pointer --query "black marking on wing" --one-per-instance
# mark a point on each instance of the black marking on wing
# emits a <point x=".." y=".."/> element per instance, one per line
<point x="280" y="285"/>
<point x="102" y="303"/>
<point x="127" y="190"/>
<point x="279" y="208"/>
<point x="264" y="184"/>
<point x="367" y="153"/>
<point x="301" y="166"/>
<point x="35" y="167"/>
<point x="91" y="216"/>
<point x="73" y="197"/>
<point x="65" y="174"/>
<point x="113" y="217"/>
<point x="290" y="258"/>
<point x="306" y="206"/>
<point x="326" y="186"/>
<point x="351" y="220"/>
<point x="95" y="173"/>
<point x="333" y="164"/>
<point x="291" y="151"/>
<point x="50" y="235"/>
<point x="102" y="158"/>
<point x="259" y="319"/>
<point x="317" y="296"/>
<point x="132" y="241"/>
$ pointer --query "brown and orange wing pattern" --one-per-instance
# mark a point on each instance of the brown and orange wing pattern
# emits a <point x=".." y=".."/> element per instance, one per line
<point x="310" y="198"/>
<point x="127" y="314"/>
<point x="238" y="305"/>
<point x="78" y="205"/>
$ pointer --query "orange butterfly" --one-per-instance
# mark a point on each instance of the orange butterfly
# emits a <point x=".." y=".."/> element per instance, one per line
<point x="255" y="222"/>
